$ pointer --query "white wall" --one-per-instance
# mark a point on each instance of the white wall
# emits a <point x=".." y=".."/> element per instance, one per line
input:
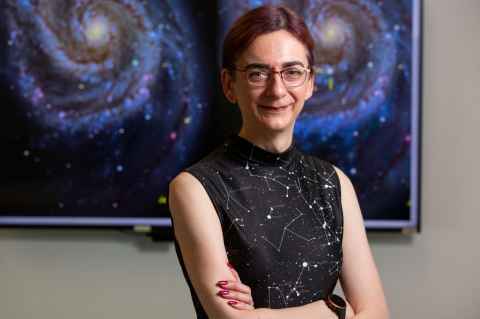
<point x="61" y="274"/>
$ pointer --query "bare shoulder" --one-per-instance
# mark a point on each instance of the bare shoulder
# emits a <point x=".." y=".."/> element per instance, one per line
<point x="192" y="211"/>
<point x="347" y="191"/>
<point x="183" y="181"/>
<point x="345" y="181"/>
<point x="352" y="214"/>
<point x="185" y="188"/>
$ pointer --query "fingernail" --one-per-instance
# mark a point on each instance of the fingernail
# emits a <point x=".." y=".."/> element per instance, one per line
<point x="229" y="265"/>
<point x="223" y="292"/>
<point x="222" y="283"/>
<point x="232" y="302"/>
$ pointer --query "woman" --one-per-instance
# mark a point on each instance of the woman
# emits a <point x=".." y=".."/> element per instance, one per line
<point x="287" y="222"/>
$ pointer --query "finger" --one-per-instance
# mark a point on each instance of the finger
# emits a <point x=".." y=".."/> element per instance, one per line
<point x="236" y="286"/>
<point x="237" y="296"/>
<point x="240" y="305"/>
<point x="232" y="288"/>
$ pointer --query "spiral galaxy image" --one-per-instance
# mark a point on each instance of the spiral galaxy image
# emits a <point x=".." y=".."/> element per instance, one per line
<point x="103" y="104"/>
<point x="360" y="116"/>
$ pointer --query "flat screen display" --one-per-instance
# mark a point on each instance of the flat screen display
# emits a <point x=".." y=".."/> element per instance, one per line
<point x="104" y="102"/>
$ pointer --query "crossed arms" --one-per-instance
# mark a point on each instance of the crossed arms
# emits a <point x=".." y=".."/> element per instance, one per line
<point x="199" y="234"/>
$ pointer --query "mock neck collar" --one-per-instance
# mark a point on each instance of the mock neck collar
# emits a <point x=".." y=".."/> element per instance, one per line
<point x="245" y="150"/>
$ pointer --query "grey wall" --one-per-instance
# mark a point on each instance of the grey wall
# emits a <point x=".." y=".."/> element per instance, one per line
<point x="59" y="274"/>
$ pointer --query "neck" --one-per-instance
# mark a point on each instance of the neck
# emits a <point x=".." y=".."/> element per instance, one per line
<point x="274" y="142"/>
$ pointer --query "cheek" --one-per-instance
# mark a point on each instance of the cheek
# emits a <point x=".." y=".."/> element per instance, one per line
<point x="246" y="103"/>
<point x="300" y="95"/>
<point x="248" y="97"/>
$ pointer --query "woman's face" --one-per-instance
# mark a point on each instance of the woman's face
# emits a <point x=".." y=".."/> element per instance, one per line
<point x="274" y="106"/>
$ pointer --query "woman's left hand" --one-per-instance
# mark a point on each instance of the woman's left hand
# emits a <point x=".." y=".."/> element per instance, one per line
<point x="237" y="294"/>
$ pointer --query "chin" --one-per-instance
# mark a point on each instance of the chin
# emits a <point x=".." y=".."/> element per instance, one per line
<point x="277" y="124"/>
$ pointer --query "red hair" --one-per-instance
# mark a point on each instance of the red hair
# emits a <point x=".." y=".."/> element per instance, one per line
<point x="263" y="20"/>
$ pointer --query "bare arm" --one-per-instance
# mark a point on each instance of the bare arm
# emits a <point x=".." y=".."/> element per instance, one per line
<point x="359" y="277"/>
<point x="199" y="234"/>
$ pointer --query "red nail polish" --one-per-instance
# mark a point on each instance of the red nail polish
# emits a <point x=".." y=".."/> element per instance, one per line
<point x="222" y="283"/>
<point x="223" y="292"/>
<point x="232" y="302"/>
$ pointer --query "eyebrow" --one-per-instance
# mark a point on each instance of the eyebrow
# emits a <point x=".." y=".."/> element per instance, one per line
<point x="266" y="66"/>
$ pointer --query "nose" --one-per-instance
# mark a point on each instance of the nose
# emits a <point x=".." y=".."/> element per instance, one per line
<point x="275" y="86"/>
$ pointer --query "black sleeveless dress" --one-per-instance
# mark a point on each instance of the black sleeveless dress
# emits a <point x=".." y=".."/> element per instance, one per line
<point x="281" y="219"/>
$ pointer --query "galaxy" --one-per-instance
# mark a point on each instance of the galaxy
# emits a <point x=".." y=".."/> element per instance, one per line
<point x="360" y="116"/>
<point x="102" y="100"/>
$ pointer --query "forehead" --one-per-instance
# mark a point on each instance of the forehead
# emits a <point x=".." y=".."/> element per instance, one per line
<point x="274" y="49"/>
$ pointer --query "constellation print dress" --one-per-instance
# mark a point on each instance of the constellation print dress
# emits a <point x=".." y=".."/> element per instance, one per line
<point x="281" y="219"/>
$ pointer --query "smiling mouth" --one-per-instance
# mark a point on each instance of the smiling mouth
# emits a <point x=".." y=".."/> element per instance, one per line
<point x="275" y="109"/>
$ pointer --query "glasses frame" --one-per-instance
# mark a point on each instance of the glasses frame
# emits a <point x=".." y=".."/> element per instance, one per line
<point x="270" y="72"/>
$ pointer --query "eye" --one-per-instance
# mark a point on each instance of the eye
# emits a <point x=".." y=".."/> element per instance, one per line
<point x="293" y="73"/>
<point x="256" y="75"/>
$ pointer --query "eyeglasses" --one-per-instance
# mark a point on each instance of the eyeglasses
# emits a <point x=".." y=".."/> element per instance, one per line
<point x="292" y="76"/>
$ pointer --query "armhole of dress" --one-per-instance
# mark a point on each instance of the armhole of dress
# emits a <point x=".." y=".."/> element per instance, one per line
<point x="208" y="190"/>
<point x="338" y="195"/>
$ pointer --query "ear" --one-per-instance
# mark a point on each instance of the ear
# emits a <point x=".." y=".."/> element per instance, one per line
<point x="227" y="86"/>
<point x="310" y="86"/>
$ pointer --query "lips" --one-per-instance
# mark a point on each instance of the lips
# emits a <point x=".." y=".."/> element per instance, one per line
<point x="274" y="108"/>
